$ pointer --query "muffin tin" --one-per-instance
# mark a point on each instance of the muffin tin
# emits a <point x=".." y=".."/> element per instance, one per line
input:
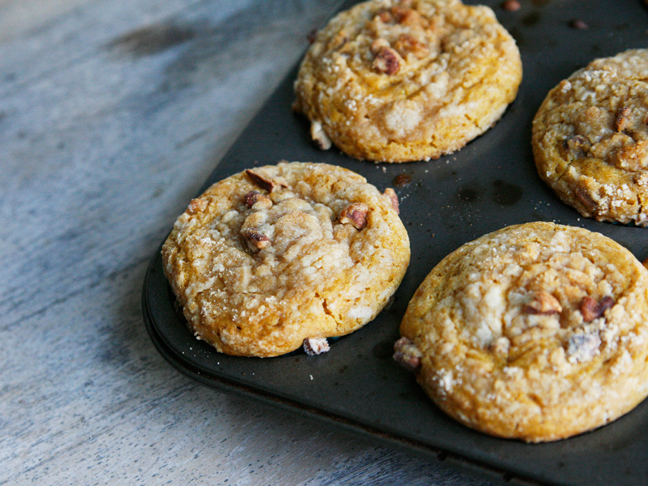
<point x="489" y="184"/>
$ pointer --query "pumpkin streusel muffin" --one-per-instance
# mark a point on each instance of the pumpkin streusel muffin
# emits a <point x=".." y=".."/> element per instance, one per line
<point x="279" y="257"/>
<point x="399" y="81"/>
<point x="536" y="332"/>
<point x="590" y="139"/>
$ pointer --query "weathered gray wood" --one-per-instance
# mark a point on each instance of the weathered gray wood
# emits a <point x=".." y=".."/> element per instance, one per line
<point x="112" y="114"/>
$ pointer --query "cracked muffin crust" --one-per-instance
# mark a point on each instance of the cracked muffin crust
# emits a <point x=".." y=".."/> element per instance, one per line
<point x="535" y="332"/>
<point x="277" y="257"/>
<point x="398" y="81"/>
<point x="590" y="139"/>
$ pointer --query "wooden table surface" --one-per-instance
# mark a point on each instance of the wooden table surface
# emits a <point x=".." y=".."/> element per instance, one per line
<point x="112" y="115"/>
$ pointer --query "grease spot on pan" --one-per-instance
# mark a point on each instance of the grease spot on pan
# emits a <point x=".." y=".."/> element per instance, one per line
<point x="383" y="350"/>
<point x="532" y="19"/>
<point x="506" y="194"/>
<point x="468" y="194"/>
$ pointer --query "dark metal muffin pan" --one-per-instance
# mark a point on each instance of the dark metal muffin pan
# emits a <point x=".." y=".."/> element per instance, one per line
<point x="489" y="184"/>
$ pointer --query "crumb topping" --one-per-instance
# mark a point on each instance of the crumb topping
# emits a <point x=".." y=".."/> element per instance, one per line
<point x="591" y="138"/>
<point x="265" y="249"/>
<point x="533" y="313"/>
<point x="393" y="72"/>
<point x="316" y="346"/>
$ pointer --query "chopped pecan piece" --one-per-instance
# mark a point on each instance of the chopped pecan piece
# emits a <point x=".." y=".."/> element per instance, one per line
<point x="356" y="214"/>
<point x="511" y="5"/>
<point x="577" y="142"/>
<point x="255" y="197"/>
<point x="593" y="309"/>
<point x="565" y="85"/>
<point x="315" y="346"/>
<point x="387" y="61"/>
<point x="404" y="14"/>
<point x="393" y="199"/>
<point x="586" y="199"/>
<point x="622" y="120"/>
<point x="385" y="16"/>
<point x="255" y="238"/>
<point x="543" y="303"/>
<point x="319" y="136"/>
<point x="407" y="354"/>
<point x="338" y="41"/>
<point x="575" y="147"/>
<point x="578" y="24"/>
<point x="407" y="44"/>
<point x="263" y="181"/>
<point x="582" y="347"/>
<point x="399" y="12"/>
<point x="196" y="205"/>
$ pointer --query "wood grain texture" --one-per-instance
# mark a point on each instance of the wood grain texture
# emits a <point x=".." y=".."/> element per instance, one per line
<point x="112" y="114"/>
